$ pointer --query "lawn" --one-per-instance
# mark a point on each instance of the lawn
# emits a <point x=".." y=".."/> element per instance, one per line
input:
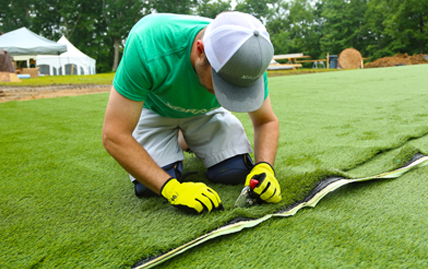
<point x="107" y="78"/>
<point x="98" y="79"/>
<point x="66" y="203"/>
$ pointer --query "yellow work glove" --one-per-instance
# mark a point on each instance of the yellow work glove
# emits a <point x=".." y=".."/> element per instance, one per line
<point x="191" y="196"/>
<point x="267" y="187"/>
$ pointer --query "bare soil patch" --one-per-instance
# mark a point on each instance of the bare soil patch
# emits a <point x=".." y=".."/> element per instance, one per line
<point x="399" y="59"/>
<point x="29" y="93"/>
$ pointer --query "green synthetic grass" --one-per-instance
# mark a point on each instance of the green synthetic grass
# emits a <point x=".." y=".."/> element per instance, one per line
<point x="378" y="224"/>
<point x="66" y="203"/>
<point x="98" y="79"/>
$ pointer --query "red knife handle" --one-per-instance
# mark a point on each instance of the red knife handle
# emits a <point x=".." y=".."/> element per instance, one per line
<point x="253" y="183"/>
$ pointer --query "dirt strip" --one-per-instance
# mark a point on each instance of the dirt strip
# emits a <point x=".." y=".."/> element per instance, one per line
<point x="29" y="93"/>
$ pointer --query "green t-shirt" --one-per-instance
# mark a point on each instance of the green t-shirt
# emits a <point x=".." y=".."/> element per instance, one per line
<point x="156" y="68"/>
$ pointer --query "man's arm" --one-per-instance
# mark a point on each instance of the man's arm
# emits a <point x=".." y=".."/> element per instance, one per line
<point x="121" y="117"/>
<point x="266" y="133"/>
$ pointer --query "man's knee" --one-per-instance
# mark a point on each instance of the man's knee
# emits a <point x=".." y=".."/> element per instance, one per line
<point x="173" y="169"/>
<point x="231" y="171"/>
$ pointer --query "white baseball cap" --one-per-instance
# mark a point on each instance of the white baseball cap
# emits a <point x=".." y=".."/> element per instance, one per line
<point x="239" y="49"/>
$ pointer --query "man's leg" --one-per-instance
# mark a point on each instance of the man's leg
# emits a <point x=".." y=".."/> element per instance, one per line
<point x="174" y="170"/>
<point x="182" y="142"/>
<point x="231" y="171"/>
<point x="218" y="139"/>
<point x="159" y="137"/>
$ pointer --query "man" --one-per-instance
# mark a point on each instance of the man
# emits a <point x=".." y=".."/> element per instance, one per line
<point x="182" y="69"/>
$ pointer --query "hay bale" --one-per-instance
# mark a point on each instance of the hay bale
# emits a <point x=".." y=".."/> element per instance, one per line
<point x="9" y="77"/>
<point x="350" y="59"/>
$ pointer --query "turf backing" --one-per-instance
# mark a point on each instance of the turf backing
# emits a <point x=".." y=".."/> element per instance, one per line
<point x="65" y="202"/>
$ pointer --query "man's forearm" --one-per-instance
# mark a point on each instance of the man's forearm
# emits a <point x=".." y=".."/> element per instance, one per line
<point x="136" y="161"/>
<point x="120" y="120"/>
<point x="266" y="141"/>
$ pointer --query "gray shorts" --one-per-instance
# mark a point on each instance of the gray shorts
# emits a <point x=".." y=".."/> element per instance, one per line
<point x="213" y="137"/>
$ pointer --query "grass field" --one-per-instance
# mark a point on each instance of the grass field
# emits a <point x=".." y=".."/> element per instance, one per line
<point x="107" y="78"/>
<point x="98" y="79"/>
<point x="66" y="203"/>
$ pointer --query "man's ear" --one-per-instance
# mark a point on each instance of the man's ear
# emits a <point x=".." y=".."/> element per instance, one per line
<point x="200" y="48"/>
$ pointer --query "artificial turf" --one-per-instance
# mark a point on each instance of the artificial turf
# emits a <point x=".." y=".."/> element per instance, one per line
<point x="66" y="203"/>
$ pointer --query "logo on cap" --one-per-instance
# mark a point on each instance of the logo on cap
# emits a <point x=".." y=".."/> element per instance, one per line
<point x="248" y="77"/>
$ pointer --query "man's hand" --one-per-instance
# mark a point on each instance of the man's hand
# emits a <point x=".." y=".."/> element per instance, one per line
<point x="267" y="188"/>
<point x="190" y="195"/>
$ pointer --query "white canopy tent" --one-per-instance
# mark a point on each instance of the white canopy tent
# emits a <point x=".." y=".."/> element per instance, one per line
<point x="24" y="42"/>
<point x="72" y="62"/>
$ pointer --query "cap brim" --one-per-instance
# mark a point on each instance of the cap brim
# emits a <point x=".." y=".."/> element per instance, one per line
<point x="239" y="99"/>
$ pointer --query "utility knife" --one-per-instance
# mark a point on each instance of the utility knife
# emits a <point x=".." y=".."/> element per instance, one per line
<point x="248" y="197"/>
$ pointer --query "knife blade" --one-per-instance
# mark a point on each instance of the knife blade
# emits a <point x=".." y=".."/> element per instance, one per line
<point x="247" y="197"/>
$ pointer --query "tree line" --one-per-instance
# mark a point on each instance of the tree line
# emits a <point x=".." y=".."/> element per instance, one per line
<point x="99" y="28"/>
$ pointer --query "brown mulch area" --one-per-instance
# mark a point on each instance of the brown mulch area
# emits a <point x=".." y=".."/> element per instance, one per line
<point x="399" y="59"/>
<point x="30" y="93"/>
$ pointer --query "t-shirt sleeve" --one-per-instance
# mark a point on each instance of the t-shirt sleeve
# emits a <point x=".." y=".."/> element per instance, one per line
<point x="132" y="79"/>
<point x="265" y="78"/>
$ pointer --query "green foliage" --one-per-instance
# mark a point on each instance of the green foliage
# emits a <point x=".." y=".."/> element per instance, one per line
<point x="177" y="6"/>
<point x="258" y="8"/>
<point x="376" y="28"/>
<point x="407" y="24"/>
<point x="47" y="19"/>
<point x="343" y="23"/>
<point x="297" y="30"/>
<point x="210" y="9"/>
<point x="119" y="17"/>
<point x="396" y="27"/>
<point x="15" y="14"/>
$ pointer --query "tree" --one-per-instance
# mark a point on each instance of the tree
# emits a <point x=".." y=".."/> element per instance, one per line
<point x="304" y="29"/>
<point x="176" y="6"/>
<point x="46" y="19"/>
<point x="119" y="17"/>
<point x="261" y="9"/>
<point x="279" y="29"/>
<point x="374" y="29"/>
<point x="343" y="21"/>
<point x="89" y="35"/>
<point x="294" y="27"/>
<point x="80" y="22"/>
<point x="406" y="23"/>
<point x="15" y="14"/>
<point x="210" y="8"/>
<point x="54" y="18"/>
